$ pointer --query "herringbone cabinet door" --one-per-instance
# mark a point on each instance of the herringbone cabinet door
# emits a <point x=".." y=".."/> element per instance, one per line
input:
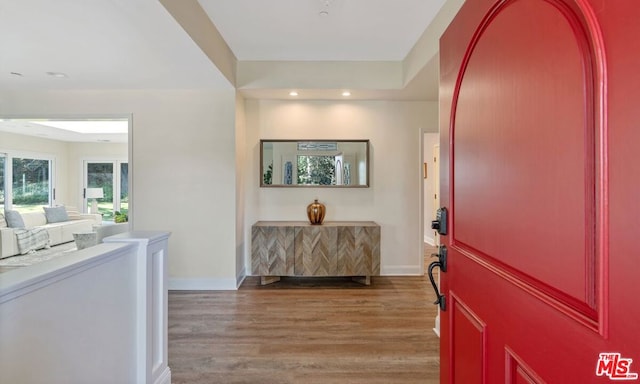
<point x="318" y="247"/>
<point x="301" y="249"/>
<point x="273" y="247"/>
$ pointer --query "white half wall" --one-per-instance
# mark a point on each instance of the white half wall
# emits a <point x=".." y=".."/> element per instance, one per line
<point x="393" y="199"/>
<point x="75" y="316"/>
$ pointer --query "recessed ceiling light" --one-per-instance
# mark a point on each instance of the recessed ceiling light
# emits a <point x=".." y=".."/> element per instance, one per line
<point x="59" y="75"/>
<point x="346" y="93"/>
<point x="325" y="8"/>
<point x="293" y="93"/>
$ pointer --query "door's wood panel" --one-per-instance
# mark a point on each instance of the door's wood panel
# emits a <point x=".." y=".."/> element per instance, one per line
<point x="517" y="371"/>
<point x="524" y="146"/>
<point x="622" y="34"/>
<point x="468" y="344"/>
<point x="523" y="378"/>
<point x="557" y="328"/>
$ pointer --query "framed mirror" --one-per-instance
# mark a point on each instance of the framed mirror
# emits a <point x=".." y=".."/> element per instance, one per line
<point x="314" y="163"/>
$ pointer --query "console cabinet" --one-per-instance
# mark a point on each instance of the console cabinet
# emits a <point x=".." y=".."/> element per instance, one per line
<point x="292" y="248"/>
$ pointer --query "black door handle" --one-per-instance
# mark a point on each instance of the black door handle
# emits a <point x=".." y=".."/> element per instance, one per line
<point x="441" y="301"/>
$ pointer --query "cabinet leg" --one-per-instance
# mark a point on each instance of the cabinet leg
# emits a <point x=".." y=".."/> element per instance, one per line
<point x="264" y="280"/>
<point x="366" y="280"/>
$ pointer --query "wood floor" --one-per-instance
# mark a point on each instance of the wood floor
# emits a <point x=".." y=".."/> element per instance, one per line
<point x="307" y="330"/>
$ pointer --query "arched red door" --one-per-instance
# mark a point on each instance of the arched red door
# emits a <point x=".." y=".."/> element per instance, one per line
<point x="540" y="149"/>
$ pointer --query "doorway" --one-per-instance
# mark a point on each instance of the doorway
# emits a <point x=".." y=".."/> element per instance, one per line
<point x="43" y="161"/>
<point x="430" y="203"/>
<point x="430" y="185"/>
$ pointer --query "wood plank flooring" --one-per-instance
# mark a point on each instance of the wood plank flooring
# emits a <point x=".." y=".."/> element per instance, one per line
<point x="306" y="330"/>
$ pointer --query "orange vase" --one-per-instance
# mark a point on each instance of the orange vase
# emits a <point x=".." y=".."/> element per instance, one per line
<point x="315" y="212"/>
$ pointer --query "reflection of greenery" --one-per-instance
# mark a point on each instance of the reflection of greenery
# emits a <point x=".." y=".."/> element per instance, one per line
<point x="268" y="175"/>
<point x="316" y="170"/>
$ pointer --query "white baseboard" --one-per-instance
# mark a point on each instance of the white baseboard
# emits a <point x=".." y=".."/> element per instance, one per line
<point x="202" y="284"/>
<point x="401" y="270"/>
<point x="430" y="241"/>
<point x="164" y="378"/>
<point x="240" y="278"/>
<point x="436" y="329"/>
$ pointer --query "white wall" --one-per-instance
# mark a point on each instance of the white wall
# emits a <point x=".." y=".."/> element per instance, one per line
<point x="395" y="130"/>
<point x="183" y="167"/>
<point x="429" y="141"/>
<point x="190" y="178"/>
<point x="241" y="171"/>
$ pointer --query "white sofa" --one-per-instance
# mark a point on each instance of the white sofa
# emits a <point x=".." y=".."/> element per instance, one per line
<point x="61" y="232"/>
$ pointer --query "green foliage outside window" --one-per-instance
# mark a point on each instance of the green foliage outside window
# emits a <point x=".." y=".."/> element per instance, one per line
<point x="316" y="170"/>
<point x="30" y="181"/>
<point x="268" y="175"/>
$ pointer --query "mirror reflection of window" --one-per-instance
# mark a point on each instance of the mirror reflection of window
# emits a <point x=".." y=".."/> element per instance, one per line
<point x="316" y="170"/>
<point x="324" y="163"/>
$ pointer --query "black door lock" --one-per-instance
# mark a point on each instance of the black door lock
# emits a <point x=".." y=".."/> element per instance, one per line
<point x="440" y="223"/>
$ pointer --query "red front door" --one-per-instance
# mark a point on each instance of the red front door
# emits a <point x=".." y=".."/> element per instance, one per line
<point x="540" y="147"/>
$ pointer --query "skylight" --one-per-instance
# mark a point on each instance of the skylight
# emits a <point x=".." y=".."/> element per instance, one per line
<point x="88" y="126"/>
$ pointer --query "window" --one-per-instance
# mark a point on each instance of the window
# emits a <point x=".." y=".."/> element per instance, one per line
<point x="30" y="185"/>
<point x="124" y="188"/>
<point x="25" y="182"/>
<point x="111" y="178"/>
<point x="316" y="170"/>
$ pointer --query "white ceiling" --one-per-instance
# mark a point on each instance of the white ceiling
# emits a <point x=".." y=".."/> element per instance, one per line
<point x="137" y="44"/>
<point x="98" y="44"/>
<point x="351" y="30"/>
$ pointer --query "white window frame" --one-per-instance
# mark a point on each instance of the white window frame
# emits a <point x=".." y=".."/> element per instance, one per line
<point x="117" y="175"/>
<point x="9" y="155"/>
